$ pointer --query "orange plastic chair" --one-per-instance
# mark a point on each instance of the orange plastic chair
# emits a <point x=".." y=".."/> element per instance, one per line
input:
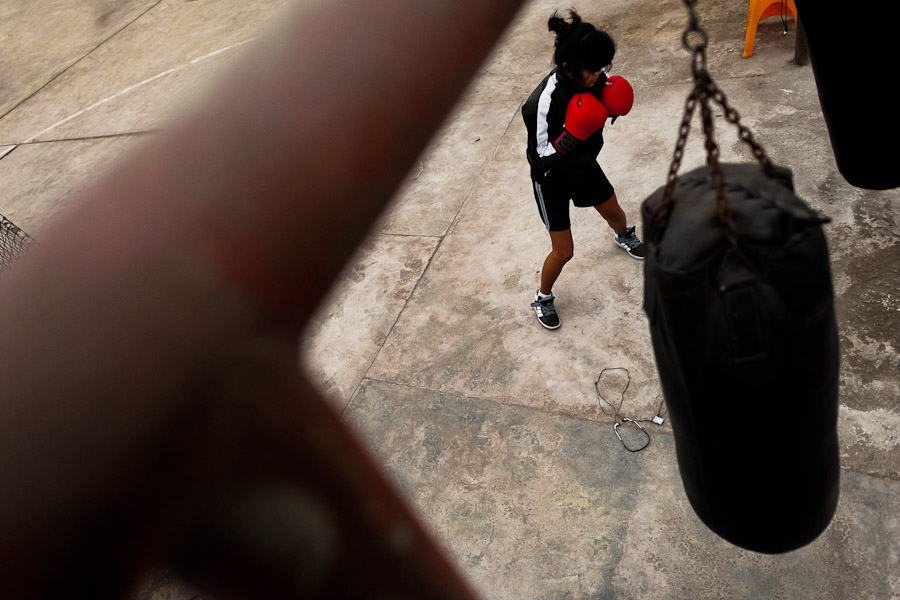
<point x="763" y="9"/>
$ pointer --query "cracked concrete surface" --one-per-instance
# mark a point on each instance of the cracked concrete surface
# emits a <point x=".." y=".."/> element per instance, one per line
<point x="490" y="424"/>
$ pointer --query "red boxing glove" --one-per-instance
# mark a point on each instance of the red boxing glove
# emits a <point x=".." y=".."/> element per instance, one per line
<point x="584" y="116"/>
<point x="617" y="95"/>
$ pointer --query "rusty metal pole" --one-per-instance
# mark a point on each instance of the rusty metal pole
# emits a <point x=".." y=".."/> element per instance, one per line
<point x="153" y="410"/>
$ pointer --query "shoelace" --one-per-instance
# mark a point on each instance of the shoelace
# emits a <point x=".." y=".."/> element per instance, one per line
<point x="630" y="239"/>
<point x="546" y="307"/>
<point x="632" y="242"/>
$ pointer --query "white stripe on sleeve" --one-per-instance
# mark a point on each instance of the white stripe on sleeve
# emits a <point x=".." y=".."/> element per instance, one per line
<point x="544" y="147"/>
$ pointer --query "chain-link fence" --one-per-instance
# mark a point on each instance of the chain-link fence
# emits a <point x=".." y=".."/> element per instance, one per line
<point x="14" y="243"/>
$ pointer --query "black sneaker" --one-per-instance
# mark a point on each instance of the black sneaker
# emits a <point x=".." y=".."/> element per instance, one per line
<point x="545" y="311"/>
<point x="630" y="243"/>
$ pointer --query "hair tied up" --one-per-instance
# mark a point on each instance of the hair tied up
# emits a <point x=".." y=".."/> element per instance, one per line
<point x="558" y="24"/>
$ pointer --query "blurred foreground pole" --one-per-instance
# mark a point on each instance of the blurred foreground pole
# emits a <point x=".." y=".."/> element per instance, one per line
<point x="152" y="411"/>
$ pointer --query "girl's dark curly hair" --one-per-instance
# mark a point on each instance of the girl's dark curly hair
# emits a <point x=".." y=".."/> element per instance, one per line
<point x="579" y="45"/>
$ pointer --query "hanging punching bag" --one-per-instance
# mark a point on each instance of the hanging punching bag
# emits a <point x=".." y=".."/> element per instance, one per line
<point x="746" y="349"/>
<point x="738" y="292"/>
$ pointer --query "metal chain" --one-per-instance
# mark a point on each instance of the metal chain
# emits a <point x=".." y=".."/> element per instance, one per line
<point x="689" y="106"/>
<point x="744" y="134"/>
<point x="696" y="41"/>
<point x="723" y="210"/>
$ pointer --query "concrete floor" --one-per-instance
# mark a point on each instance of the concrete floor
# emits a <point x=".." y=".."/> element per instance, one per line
<point x="490" y="424"/>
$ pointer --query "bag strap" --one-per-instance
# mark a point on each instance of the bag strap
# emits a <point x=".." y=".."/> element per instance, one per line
<point x="696" y="40"/>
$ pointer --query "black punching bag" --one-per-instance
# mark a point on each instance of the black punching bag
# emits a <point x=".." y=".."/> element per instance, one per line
<point x="852" y="54"/>
<point x="746" y="346"/>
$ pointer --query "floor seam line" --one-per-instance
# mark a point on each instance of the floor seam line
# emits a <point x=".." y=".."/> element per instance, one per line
<point x="78" y="61"/>
<point x="84" y="138"/>
<point x="394" y="323"/>
<point x="437" y="248"/>
<point x="493" y="400"/>
<point x="479" y="177"/>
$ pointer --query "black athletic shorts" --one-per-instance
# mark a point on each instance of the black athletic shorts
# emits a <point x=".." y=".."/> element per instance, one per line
<point x="552" y="195"/>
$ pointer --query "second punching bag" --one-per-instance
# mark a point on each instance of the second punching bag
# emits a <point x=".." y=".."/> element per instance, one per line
<point x="858" y="101"/>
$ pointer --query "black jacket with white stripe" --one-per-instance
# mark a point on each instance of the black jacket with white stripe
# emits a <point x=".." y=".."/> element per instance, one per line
<point x="545" y="113"/>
